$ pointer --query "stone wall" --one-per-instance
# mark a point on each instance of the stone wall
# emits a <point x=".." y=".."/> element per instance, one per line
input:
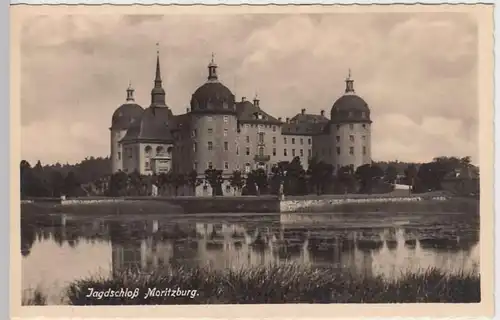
<point x="322" y="205"/>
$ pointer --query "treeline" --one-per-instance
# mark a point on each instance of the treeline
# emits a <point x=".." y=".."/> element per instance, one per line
<point x="93" y="177"/>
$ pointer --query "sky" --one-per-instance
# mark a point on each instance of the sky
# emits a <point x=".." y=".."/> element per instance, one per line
<point x="416" y="71"/>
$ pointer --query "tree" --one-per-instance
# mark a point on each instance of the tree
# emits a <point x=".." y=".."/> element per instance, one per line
<point x="71" y="184"/>
<point x="214" y="178"/>
<point x="256" y="182"/>
<point x="391" y="174"/>
<point x="346" y="179"/>
<point x="118" y="184"/>
<point x="319" y="175"/>
<point x="135" y="183"/>
<point x="57" y="183"/>
<point x="193" y="181"/>
<point x="237" y="180"/>
<point x="295" y="183"/>
<point x="367" y="175"/>
<point x="410" y="175"/>
<point x="278" y="176"/>
<point x="178" y="181"/>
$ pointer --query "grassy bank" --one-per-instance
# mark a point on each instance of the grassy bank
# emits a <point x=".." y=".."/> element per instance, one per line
<point x="280" y="284"/>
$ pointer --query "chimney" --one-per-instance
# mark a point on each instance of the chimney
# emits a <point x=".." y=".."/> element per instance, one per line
<point x="243" y="99"/>
<point x="322" y="113"/>
<point x="303" y="111"/>
<point x="279" y="119"/>
<point x="287" y="120"/>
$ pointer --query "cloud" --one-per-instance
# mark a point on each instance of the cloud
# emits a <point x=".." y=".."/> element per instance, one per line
<point x="417" y="72"/>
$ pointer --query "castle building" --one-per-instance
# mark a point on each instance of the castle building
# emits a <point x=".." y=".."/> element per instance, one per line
<point x="221" y="133"/>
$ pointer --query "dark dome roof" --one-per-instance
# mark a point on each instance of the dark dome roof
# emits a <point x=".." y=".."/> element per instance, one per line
<point x="213" y="97"/>
<point x="125" y="115"/>
<point x="350" y="108"/>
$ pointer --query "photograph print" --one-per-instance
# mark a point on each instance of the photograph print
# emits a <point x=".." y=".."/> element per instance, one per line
<point x="264" y="155"/>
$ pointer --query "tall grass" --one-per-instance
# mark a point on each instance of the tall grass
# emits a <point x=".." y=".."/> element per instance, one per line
<point x="279" y="284"/>
<point x="33" y="297"/>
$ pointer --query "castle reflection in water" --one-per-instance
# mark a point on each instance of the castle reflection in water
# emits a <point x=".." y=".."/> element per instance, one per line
<point x="250" y="241"/>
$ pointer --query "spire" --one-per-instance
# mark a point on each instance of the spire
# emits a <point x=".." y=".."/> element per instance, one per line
<point x="158" y="94"/>
<point x="256" y="100"/>
<point x="212" y="69"/>
<point x="349" y="83"/>
<point x="130" y="92"/>
<point x="158" y="72"/>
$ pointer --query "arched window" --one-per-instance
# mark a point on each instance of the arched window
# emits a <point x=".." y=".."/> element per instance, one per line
<point x="159" y="150"/>
<point x="148" y="150"/>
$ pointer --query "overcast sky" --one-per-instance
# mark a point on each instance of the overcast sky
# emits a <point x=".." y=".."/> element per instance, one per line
<point x="417" y="72"/>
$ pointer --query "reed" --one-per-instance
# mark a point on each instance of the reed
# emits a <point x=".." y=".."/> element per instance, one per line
<point x="33" y="297"/>
<point x="278" y="284"/>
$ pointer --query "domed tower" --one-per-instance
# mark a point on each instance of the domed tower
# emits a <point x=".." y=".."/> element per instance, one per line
<point x="127" y="114"/>
<point x="350" y="129"/>
<point x="213" y="120"/>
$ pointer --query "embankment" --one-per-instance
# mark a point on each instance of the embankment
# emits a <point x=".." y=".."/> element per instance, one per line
<point x="249" y="204"/>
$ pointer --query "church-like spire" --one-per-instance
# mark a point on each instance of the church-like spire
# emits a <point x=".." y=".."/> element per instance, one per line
<point x="158" y="94"/>
<point x="349" y="83"/>
<point x="158" y="71"/>
<point x="212" y="69"/>
<point x="256" y="100"/>
<point x="130" y="93"/>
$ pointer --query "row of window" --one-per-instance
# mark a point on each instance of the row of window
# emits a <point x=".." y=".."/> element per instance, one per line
<point x="351" y="138"/>
<point x="351" y="126"/>
<point x="301" y="140"/>
<point x="301" y="152"/>
<point x="338" y="149"/>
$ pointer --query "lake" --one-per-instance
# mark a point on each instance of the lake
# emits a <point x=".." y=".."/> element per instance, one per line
<point x="60" y="249"/>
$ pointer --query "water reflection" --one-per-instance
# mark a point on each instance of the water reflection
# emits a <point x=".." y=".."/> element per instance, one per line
<point x="389" y="248"/>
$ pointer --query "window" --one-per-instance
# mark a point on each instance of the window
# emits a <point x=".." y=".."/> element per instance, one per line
<point x="363" y="137"/>
<point x="194" y="147"/>
<point x="284" y="152"/>
<point x="338" y="127"/>
<point x="248" y="139"/>
<point x="309" y="153"/>
<point x="226" y="119"/>
<point x="210" y="165"/>
<point x="228" y="188"/>
<point x="226" y="165"/>
<point x="237" y="150"/>
<point x="309" y="141"/>
<point x="209" y="118"/>
<point x="351" y="126"/>
<point x="293" y="140"/>
<point x="226" y="145"/>
<point x="338" y="138"/>
<point x="338" y="150"/>
<point x="247" y="167"/>
<point x="261" y="137"/>
<point x="225" y="132"/>
<point x="210" y="145"/>
<point x="293" y="152"/>
<point x="146" y="165"/>
<point x="148" y="150"/>
<point x="210" y="130"/>
<point x="274" y="151"/>
<point x="284" y="140"/>
<point x="193" y="134"/>
<point x="364" y="126"/>
<point x="351" y="138"/>
<point x="119" y="155"/>
<point x="301" y="141"/>
<point x="274" y="140"/>
<point x="130" y="153"/>
<point x="351" y="150"/>
<point x="363" y="114"/>
<point x="248" y="151"/>
<point x="301" y="152"/>
<point x="261" y="151"/>
<point x="364" y="150"/>
<point x="195" y="165"/>
<point x="274" y="128"/>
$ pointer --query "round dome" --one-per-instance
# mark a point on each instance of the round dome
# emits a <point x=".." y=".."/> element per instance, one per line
<point x="213" y="97"/>
<point x="125" y="115"/>
<point x="350" y="108"/>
